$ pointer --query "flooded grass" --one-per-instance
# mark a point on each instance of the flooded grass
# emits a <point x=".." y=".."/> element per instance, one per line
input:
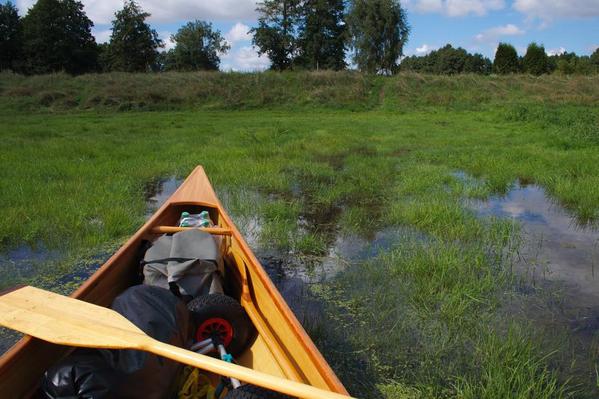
<point x="358" y="218"/>
<point x="558" y="286"/>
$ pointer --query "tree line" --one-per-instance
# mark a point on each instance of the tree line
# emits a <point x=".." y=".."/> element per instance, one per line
<point x="448" y="60"/>
<point x="55" y="35"/>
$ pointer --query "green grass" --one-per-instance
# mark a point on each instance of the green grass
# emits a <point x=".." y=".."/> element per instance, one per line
<point x="313" y="155"/>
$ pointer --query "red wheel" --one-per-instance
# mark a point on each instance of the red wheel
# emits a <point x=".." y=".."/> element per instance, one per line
<point x="222" y="317"/>
<point x="215" y="327"/>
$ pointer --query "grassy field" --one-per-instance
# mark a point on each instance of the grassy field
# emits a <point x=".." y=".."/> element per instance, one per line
<point x="427" y="318"/>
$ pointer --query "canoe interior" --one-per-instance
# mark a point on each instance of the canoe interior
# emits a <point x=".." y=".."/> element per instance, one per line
<point x="281" y="346"/>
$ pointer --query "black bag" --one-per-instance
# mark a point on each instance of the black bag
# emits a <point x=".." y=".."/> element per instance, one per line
<point x="101" y="373"/>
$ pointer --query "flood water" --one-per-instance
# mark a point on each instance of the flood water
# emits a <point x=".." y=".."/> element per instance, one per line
<point x="556" y="250"/>
<point x="557" y="256"/>
<point x="557" y="264"/>
<point x="157" y="192"/>
<point x="22" y="262"/>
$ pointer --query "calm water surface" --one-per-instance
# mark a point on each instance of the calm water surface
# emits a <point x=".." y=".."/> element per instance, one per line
<point x="556" y="250"/>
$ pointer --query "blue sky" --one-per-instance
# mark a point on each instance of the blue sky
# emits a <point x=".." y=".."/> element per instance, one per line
<point x="476" y="25"/>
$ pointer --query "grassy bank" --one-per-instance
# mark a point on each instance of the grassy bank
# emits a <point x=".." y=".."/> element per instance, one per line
<point x="315" y="155"/>
<point x="308" y="90"/>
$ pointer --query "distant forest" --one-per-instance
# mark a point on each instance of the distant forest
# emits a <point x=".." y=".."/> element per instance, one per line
<point x="55" y="36"/>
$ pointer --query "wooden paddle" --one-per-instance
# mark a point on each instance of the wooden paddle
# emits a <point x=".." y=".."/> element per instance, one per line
<point x="68" y="321"/>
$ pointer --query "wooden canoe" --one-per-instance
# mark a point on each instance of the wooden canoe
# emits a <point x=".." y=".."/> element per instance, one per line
<point x="281" y="347"/>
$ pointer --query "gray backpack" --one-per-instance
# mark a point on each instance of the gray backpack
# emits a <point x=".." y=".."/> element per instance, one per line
<point x="188" y="262"/>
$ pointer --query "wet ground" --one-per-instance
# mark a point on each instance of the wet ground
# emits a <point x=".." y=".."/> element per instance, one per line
<point x="558" y="260"/>
<point x="158" y="191"/>
<point x="558" y="269"/>
<point x="556" y="251"/>
<point x="23" y="262"/>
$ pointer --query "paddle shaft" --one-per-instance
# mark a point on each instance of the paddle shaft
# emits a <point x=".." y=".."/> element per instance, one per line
<point x="241" y="373"/>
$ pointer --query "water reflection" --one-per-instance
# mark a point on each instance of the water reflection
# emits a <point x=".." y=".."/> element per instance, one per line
<point x="556" y="248"/>
<point x="158" y="191"/>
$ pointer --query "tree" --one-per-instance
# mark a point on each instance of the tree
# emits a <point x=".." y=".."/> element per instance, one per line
<point x="506" y="59"/>
<point x="378" y="30"/>
<point x="535" y="61"/>
<point x="448" y="60"/>
<point x="476" y="63"/>
<point x="57" y="37"/>
<point x="11" y="38"/>
<point x="322" y="35"/>
<point x="583" y="66"/>
<point x="277" y="31"/>
<point x="197" y="48"/>
<point x="133" y="44"/>
<point x="595" y="60"/>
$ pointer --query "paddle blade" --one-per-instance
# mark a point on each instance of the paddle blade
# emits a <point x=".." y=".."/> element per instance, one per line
<point x="67" y="321"/>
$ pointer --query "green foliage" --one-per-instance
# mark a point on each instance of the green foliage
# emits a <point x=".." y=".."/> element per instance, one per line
<point x="595" y="59"/>
<point x="447" y="60"/>
<point x="133" y="44"/>
<point x="570" y="64"/>
<point x="308" y="34"/>
<point x="535" y="61"/>
<point x="378" y="30"/>
<point x="57" y="37"/>
<point x="477" y="63"/>
<point x="277" y="32"/>
<point x="197" y="48"/>
<point x="322" y="35"/>
<point x="11" y="38"/>
<point x="506" y="59"/>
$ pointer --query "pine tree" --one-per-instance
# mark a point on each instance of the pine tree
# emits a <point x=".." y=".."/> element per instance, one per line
<point x="322" y="35"/>
<point x="133" y="44"/>
<point x="57" y="37"/>
<point x="11" y="36"/>
<point x="506" y="59"/>
<point x="277" y="32"/>
<point x="378" y="31"/>
<point x="535" y="61"/>
<point x="197" y="47"/>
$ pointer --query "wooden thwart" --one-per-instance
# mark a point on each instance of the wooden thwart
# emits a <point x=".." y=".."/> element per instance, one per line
<point x="68" y="321"/>
<point x="218" y="231"/>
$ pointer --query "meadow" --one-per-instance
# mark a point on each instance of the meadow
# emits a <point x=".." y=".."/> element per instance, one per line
<point x="344" y="153"/>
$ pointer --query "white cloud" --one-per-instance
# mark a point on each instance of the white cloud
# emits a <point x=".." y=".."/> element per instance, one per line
<point x="492" y="34"/>
<point x="102" y="11"/>
<point x="456" y="8"/>
<point x="166" y="39"/>
<point x="425" y="6"/>
<point x="238" y="33"/>
<point x="548" y="10"/>
<point x="424" y="49"/>
<point x="246" y="59"/>
<point x="556" y="51"/>
<point x="102" y="36"/>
